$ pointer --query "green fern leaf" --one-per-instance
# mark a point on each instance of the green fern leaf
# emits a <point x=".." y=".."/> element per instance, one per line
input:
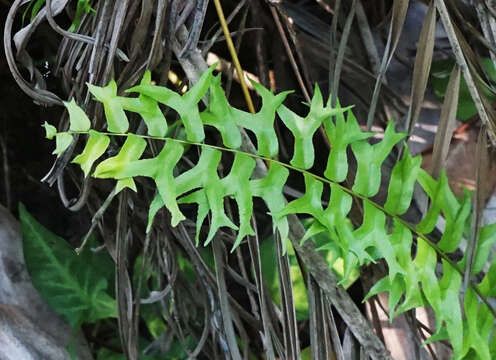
<point x="303" y="129"/>
<point x="50" y="130"/>
<point x="237" y="184"/>
<point x="402" y="182"/>
<point x="410" y="283"/>
<point x="221" y="116"/>
<point x="160" y="169"/>
<point x="262" y="123"/>
<point x="62" y="142"/>
<point x="79" y="121"/>
<point x="341" y="134"/>
<point x="148" y="109"/>
<point x="95" y="147"/>
<point x="186" y="105"/>
<point x="114" y="113"/>
<point x="370" y="159"/>
<point x="133" y="148"/>
<point x="270" y="189"/>
<point x="442" y="199"/>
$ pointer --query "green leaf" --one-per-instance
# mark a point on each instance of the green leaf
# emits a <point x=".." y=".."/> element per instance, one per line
<point x="341" y="134"/>
<point x="36" y="8"/>
<point x="95" y="147"/>
<point x="409" y="283"/>
<point x="221" y="116"/>
<point x="237" y="185"/>
<point x="50" y="130"/>
<point x="370" y="159"/>
<point x="83" y="7"/>
<point x="114" y="113"/>
<point x="332" y="254"/>
<point x="401" y="184"/>
<point x="147" y="108"/>
<point x="425" y="265"/>
<point x="185" y="105"/>
<point x="453" y="233"/>
<point x="310" y="203"/>
<point x="160" y="169"/>
<point x="62" y="142"/>
<point x="155" y="206"/>
<point x="439" y="79"/>
<point x="73" y="285"/>
<point x="262" y="123"/>
<point x="303" y="129"/>
<point x="133" y="148"/>
<point x="210" y="197"/>
<point x="450" y="311"/>
<point x="488" y="285"/>
<point x="372" y="233"/>
<point x="442" y="199"/>
<point x="77" y="117"/>
<point x="487" y="238"/>
<point x="270" y="189"/>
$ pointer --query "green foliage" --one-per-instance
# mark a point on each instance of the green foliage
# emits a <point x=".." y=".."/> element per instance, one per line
<point x="74" y="286"/>
<point x="329" y="249"/>
<point x="440" y="73"/>
<point x="83" y="7"/>
<point x="381" y="235"/>
<point x="34" y="6"/>
<point x="62" y="141"/>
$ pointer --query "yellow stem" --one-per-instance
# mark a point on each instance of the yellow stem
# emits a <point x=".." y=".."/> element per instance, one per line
<point x="234" y="56"/>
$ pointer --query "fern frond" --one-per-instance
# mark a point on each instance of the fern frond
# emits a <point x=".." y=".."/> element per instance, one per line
<point x="411" y="282"/>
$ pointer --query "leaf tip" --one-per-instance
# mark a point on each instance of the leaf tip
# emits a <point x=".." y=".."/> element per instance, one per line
<point x="50" y="130"/>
